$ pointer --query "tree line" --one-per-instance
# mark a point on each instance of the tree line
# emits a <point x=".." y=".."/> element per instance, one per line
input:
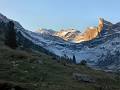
<point x="67" y="60"/>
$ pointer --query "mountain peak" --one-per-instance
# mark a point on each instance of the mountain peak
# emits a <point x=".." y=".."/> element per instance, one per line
<point x="45" y="31"/>
<point x="3" y="18"/>
<point x="100" y="21"/>
<point x="74" y="35"/>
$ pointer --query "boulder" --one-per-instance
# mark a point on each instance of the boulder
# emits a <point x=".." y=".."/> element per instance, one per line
<point x="83" y="77"/>
<point x="39" y="62"/>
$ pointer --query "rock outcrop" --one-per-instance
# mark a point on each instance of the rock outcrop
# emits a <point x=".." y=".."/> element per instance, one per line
<point x="83" y="77"/>
<point x="91" y="32"/>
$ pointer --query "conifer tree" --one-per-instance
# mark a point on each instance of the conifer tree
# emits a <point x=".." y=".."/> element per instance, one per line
<point x="10" y="35"/>
<point x="74" y="59"/>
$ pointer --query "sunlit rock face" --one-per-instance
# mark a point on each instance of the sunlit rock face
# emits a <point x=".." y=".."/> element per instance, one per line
<point x="67" y="34"/>
<point x="90" y="33"/>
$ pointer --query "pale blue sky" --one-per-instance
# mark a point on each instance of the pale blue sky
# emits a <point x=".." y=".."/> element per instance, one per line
<point x="57" y="14"/>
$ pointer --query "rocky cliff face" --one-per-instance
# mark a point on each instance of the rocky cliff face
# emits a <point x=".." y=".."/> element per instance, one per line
<point x="91" y="32"/>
